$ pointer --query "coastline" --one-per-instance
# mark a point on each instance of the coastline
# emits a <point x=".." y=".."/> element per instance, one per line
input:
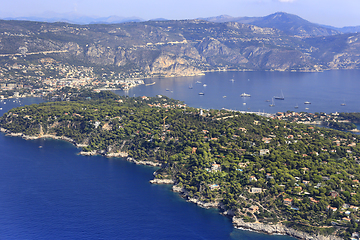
<point x="272" y="229"/>
<point x="278" y="229"/>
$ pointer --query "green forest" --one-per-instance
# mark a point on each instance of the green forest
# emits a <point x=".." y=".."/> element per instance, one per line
<point x="256" y="168"/>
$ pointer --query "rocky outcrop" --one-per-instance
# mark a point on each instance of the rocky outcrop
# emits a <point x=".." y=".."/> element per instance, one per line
<point x="100" y="54"/>
<point x="27" y="137"/>
<point x="171" y="66"/>
<point x="178" y="189"/>
<point x="203" y="204"/>
<point x="278" y="229"/>
<point x="162" y="181"/>
<point x="117" y="154"/>
<point x="148" y="163"/>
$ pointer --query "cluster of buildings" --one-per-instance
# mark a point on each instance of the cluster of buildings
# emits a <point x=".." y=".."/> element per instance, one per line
<point x="308" y="118"/>
<point x="49" y="75"/>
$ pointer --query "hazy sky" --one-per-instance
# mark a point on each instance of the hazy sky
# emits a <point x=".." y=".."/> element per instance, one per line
<point x="337" y="13"/>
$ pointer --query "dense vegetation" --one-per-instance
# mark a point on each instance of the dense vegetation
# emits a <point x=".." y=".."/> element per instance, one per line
<point x="259" y="168"/>
<point x="343" y="126"/>
<point x="353" y="117"/>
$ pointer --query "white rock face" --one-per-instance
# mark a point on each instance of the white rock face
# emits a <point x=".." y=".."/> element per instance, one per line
<point x="279" y="229"/>
<point x="162" y="181"/>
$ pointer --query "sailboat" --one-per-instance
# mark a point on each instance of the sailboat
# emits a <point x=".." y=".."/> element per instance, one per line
<point x="281" y="96"/>
<point x="190" y="86"/>
<point x="272" y="103"/>
<point x="343" y="104"/>
<point x="245" y="95"/>
<point x="297" y="106"/>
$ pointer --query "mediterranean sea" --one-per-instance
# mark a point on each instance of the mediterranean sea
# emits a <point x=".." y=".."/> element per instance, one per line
<point x="48" y="191"/>
<point x="330" y="91"/>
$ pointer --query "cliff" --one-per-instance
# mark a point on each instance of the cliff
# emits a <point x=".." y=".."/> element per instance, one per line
<point x="177" y="48"/>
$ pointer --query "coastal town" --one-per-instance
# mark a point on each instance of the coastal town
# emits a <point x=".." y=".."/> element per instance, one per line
<point x="49" y="75"/>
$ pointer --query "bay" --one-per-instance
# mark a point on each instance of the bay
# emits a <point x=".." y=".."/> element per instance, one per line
<point x="326" y="91"/>
<point x="47" y="191"/>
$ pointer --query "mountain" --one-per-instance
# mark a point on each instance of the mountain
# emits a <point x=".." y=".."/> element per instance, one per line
<point x="353" y="29"/>
<point x="176" y="48"/>
<point x="76" y="18"/>
<point x="294" y="25"/>
<point x="227" y="18"/>
<point x="288" y="23"/>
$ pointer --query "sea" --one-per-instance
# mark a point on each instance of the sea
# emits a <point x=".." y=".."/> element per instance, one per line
<point x="49" y="191"/>
<point x="329" y="91"/>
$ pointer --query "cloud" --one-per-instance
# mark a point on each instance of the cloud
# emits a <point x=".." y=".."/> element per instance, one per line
<point x="286" y="0"/>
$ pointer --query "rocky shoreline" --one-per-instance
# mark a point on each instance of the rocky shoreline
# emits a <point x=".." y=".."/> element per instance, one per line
<point x="92" y="153"/>
<point x="237" y="222"/>
<point x="278" y="229"/>
<point x="272" y="229"/>
<point x="27" y="137"/>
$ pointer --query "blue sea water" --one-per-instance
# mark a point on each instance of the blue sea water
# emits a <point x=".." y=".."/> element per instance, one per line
<point x="48" y="191"/>
<point x="325" y="90"/>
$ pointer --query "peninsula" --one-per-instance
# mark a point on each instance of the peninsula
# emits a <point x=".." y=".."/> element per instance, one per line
<point x="265" y="174"/>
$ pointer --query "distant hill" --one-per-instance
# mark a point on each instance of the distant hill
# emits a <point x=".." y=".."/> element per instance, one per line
<point x="354" y="29"/>
<point x="76" y="18"/>
<point x="294" y="25"/>
<point x="227" y="18"/>
<point x="288" y="23"/>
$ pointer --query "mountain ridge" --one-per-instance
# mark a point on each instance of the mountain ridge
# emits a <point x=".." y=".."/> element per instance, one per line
<point x="177" y="47"/>
<point x="75" y="18"/>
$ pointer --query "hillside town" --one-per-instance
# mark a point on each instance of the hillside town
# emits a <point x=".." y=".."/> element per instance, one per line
<point x="38" y="80"/>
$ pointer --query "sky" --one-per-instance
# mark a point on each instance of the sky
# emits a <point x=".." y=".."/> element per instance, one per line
<point x="338" y="13"/>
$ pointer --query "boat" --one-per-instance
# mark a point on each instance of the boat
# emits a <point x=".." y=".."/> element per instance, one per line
<point x="204" y="85"/>
<point x="190" y="86"/>
<point x="224" y="96"/>
<point x="307" y="102"/>
<point x="267" y="100"/>
<point x="198" y="82"/>
<point x="149" y="84"/>
<point x="201" y="93"/>
<point x="167" y="89"/>
<point x="296" y="106"/>
<point x="281" y="96"/>
<point x="245" y="95"/>
<point x="343" y="104"/>
<point x="232" y="80"/>
<point x="272" y="103"/>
